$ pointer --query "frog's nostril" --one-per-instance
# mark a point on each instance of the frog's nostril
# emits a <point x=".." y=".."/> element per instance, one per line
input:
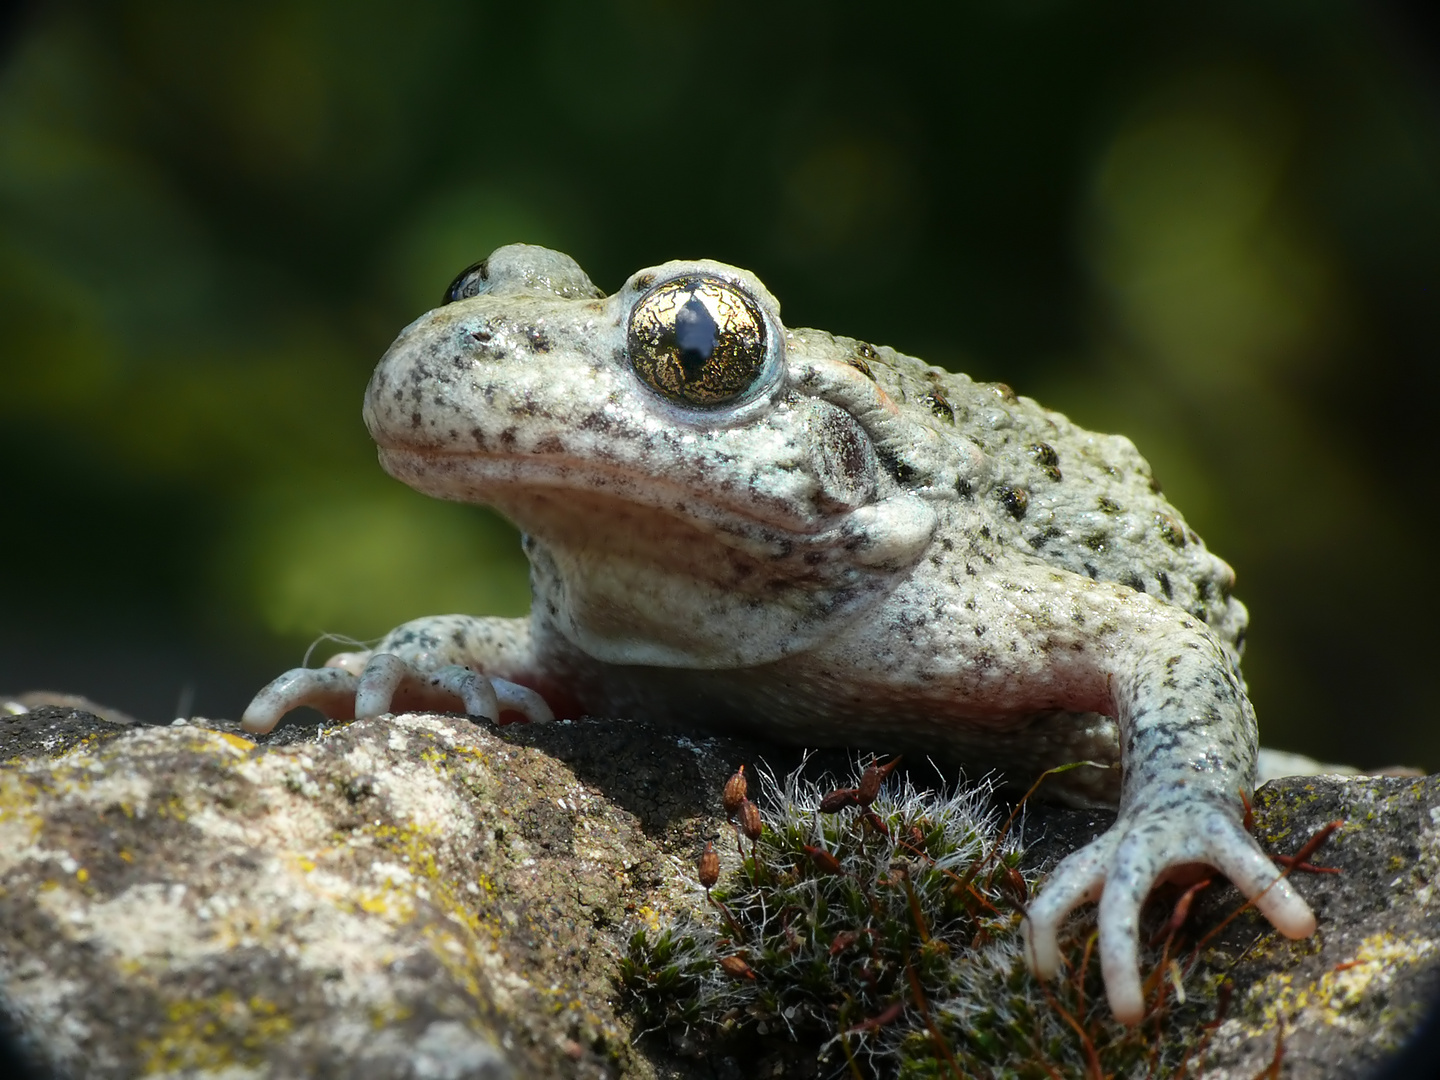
<point x="472" y="281"/>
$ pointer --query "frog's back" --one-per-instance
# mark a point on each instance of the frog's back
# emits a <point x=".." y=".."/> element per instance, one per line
<point x="1078" y="500"/>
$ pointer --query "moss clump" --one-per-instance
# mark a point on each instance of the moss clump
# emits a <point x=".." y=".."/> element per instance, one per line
<point x="885" y="936"/>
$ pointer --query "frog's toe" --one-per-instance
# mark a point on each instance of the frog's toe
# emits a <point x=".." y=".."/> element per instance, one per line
<point x="1240" y="859"/>
<point x="1078" y="878"/>
<point x="513" y="697"/>
<point x="1133" y="870"/>
<point x="475" y="692"/>
<point x="380" y="681"/>
<point x="330" y="690"/>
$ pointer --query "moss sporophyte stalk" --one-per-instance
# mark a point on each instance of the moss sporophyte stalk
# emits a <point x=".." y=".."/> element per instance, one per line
<point x="878" y="925"/>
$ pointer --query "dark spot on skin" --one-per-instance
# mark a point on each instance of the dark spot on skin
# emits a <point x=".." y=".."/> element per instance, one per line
<point x="1132" y="580"/>
<point x="1016" y="501"/>
<point x="1094" y="574"/>
<point x="538" y="341"/>
<point x="644" y="281"/>
<point x="947" y="544"/>
<point x="414" y="419"/>
<point x="507" y="438"/>
<point x="1096" y="542"/>
<point x="1045" y="456"/>
<point x="1040" y="539"/>
<point x="939" y="404"/>
<point x="846" y="451"/>
<point x="1171" y="531"/>
<point x="860" y="361"/>
<point x="595" y="421"/>
<point x="985" y="531"/>
<point x="1108" y="505"/>
<point x="900" y="470"/>
<point x="963" y="488"/>
<point x="814" y="558"/>
<point x="1165" y="584"/>
<point x="552" y="445"/>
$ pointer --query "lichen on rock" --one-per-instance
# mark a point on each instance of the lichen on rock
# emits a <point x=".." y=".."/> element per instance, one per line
<point x="412" y="895"/>
<point x="426" y="896"/>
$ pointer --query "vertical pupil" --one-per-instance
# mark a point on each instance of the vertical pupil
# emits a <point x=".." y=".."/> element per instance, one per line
<point x="695" y="334"/>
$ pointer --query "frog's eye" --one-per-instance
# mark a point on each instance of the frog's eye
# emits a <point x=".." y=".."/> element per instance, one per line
<point x="697" y="340"/>
<point x="472" y="281"/>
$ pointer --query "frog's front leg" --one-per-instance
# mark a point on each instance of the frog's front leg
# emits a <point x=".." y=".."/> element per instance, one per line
<point x="1188" y="749"/>
<point x="444" y="663"/>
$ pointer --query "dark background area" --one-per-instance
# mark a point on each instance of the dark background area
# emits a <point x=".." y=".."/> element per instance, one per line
<point x="1215" y="228"/>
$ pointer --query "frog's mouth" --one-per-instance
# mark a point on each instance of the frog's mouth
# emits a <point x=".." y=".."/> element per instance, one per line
<point x="775" y="518"/>
<point x="568" y="501"/>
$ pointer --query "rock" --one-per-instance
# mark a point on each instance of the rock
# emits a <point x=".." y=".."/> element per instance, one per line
<point x="422" y="896"/>
<point x="1347" y="998"/>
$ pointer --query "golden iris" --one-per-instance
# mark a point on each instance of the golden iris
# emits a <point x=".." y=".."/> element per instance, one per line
<point x="698" y="341"/>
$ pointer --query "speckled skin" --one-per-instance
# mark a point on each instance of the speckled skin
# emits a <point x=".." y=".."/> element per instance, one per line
<point x="862" y="548"/>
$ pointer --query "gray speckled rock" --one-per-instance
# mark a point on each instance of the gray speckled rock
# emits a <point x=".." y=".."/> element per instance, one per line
<point x="408" y="897"/>
<point x="426" y="897"/>
<point x="1346" y="999"/>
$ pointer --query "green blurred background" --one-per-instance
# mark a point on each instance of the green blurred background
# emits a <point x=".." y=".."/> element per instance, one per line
<point x="1213" y="227"/>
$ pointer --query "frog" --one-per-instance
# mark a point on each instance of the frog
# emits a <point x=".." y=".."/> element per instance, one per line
<point x="736" y="525"/>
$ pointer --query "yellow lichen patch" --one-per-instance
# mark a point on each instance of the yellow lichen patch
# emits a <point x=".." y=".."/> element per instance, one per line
<point x="19" y="823"/>
<point x="391" y="904"/>
<point x="1340" y="990"/>
<point x="471" y="751"/>
<point x="388" y="1014"/>
<point x="236" y="741"/>
<point x="211" y="1033"/>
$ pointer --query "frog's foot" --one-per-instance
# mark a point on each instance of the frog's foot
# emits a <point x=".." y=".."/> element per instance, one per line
<point x="1121" y="867"/>
<point x="363" y="685"/>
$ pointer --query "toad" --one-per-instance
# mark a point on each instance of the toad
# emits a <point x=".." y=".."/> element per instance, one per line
<point x="737" y="524"/>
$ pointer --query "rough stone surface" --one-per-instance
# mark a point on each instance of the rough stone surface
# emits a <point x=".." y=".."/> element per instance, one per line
<point x="422" y="896"/>
<point x="1347" y="998"/>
